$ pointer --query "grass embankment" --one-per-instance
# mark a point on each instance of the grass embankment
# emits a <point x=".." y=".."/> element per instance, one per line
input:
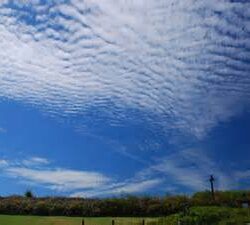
<point x="210" y="216"/>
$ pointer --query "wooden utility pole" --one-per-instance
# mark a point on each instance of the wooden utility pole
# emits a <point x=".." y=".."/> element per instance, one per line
<point x="212" y="185"/>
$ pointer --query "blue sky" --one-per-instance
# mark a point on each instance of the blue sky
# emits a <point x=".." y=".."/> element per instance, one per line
<point x="105" y="97"/>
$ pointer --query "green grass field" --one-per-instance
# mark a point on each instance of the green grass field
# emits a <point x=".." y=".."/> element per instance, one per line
<point x="37" y="220"/>
<point x="197" y="216"/>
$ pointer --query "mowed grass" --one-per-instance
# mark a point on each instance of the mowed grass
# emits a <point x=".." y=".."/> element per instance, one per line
<point x="38" y="220"/>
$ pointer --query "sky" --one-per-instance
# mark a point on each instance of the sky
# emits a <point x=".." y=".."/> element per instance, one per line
<point x="109" y="97"/>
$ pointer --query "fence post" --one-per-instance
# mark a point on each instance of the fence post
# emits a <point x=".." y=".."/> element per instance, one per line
<point x="83" y="222"/>
<point x="113" y="222"/>
<point x="143" y="222"/>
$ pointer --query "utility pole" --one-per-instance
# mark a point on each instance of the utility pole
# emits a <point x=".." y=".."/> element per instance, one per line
<point x="212" y="185"/>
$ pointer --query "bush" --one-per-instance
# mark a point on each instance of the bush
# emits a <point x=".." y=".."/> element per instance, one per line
<point x="126" y="205"/>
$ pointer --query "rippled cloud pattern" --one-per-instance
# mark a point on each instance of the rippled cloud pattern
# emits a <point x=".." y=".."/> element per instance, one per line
<point x="185" y="62"/>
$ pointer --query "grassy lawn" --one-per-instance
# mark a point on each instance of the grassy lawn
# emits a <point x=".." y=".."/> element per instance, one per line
<point x="37" y="220"/>
<point x="197" y="215"/>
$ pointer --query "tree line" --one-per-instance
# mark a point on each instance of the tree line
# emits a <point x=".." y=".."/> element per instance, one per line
<point x="117" y="206"/>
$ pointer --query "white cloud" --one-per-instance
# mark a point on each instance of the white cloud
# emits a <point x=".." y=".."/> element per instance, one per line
<point x="191" y="169"/>
<point x="39" y="171"/>
<point x="176" y="60"/>
<point x="137" y="187"/>
<point x="3" y="163"/>
<point x="184" y="64"/>
<point x="33" y="161"/>
<point x="60" y="179"/>
<point x="128" y="187"/>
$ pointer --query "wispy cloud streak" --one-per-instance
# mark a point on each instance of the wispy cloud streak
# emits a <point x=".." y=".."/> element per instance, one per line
<point x="39" y="171"/>
<point x="127" y="187"/>
<point x="59" y="179"/>
<point x="190" y="169"/>
<point x="187" y="170"/>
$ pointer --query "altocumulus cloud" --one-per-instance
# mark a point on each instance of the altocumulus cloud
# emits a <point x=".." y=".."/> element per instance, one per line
<point x="183" y="64"/>
<point x="172" y="59"/>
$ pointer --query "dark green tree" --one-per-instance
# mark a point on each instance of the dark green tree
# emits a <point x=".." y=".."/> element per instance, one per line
<point x="29" y="194"/>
